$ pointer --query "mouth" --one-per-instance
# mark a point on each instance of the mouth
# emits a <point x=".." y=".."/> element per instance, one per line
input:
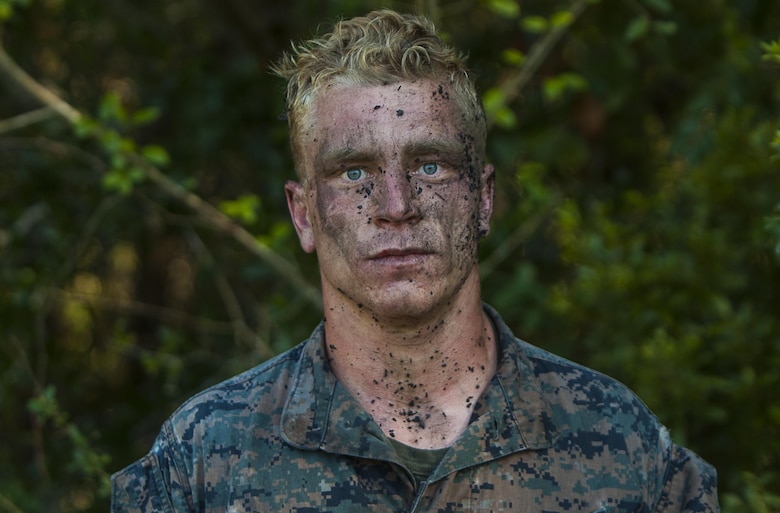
<point x="399" y="256"/>
<point x="398" y="252"/>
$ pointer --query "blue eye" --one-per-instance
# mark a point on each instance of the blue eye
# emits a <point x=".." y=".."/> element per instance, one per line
<point x="430" y="169"/>
<point x="354" y="174"/>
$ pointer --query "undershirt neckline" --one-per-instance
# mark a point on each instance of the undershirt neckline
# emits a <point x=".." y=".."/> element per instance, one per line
<point x="421" y="462"/>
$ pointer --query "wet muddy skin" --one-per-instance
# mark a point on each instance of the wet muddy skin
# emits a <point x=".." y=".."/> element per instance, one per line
<point x="395" y="205"/>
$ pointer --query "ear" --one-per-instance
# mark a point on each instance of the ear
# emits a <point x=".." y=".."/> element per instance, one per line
<point x="486" y="204"/>
<point x="299" y="212"/>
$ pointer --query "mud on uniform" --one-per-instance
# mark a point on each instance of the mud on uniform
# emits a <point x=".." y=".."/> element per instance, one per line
<point x="546" y="436"/>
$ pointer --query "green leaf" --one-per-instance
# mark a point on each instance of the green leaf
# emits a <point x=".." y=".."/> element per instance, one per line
<point x="775" y="145"/>
<point x="45" y="404"/>
<point x="136" y="174"/>
<point x="243" y="208"/>
<point x="123" y="180"/>
<point x="561" y="19"/>
<point x="505" y="8"/>
<point x="118" y="160"/>
<point x="111" y="141"/>
<point x="189" y="183"/>
<point x="5" y="11"/>
<point x="111" y="108"/>
<point x="145" y="116"/>
<point x="637" y="28"/>
<point x="7" y="7"/>
<point x="277" y="237"/>
<point x="126" y="145"/>
<point x="114" y="181"/>
<point x="555" y="87"/>
<point x="155" y="154"/>
<point x="493" y="99"/>
<point x="513" y="57"/>
<point x="666" y="28"/>
<point x="85" y="127"/>
<point x="661" y="5"/>
<point x="505" y="118"/>
<point x="535" y="24"/>
<point x="496" y="108"/>
<point x="772" y="51"/>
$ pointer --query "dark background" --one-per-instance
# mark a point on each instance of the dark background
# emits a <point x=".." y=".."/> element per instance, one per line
<point x="636" y="227"/>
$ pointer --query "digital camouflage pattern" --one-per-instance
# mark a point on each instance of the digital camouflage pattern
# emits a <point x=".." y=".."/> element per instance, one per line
<point x="546" y="436"/>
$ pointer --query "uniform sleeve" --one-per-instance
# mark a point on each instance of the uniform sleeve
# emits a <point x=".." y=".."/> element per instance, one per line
<point x="151" y="484"/>
<point x="690" y="484"/>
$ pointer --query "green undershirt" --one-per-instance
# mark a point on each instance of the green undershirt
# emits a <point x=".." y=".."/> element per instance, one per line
<point x="422" y="462"/>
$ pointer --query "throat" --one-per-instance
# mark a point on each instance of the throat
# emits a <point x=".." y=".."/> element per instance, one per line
<point x="427" y="400"/>
<point x="424" y="426"/>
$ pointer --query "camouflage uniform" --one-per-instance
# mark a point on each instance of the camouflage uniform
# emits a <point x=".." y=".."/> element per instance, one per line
<point x="546" y="436"/>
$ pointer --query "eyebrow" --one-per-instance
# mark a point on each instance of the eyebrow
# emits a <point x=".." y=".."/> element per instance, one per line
<point x="423" y="147"/>
<point x="434" y="146"/>
<point x="348" y="154"/>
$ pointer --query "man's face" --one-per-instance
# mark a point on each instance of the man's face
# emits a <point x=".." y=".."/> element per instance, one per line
<point x="394" y="196"/>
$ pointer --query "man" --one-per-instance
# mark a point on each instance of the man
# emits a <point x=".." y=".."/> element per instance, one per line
<point x="411" y="395"/>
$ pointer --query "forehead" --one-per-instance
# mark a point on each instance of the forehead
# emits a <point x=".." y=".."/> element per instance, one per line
<point x="399" y="99"/>
<point x="375" y="116"/>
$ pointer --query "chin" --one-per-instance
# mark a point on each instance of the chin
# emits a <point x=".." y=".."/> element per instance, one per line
<point x="394" y="304"/>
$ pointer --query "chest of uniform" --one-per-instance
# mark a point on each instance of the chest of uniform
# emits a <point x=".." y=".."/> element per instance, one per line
<point x="532" y="482"/>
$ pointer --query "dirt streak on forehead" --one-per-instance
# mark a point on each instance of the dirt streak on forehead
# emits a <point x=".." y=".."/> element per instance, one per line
<point x="418" y="103"/>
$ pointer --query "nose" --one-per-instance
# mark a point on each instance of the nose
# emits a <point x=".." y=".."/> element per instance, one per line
<point x="396" y="199"/>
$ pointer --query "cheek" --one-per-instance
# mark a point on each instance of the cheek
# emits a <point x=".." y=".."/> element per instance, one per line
<point x="458" y="212"/>
<point x="340" y="213"/>
<point x="456" y="202"/>
<point x="467" y="228"/>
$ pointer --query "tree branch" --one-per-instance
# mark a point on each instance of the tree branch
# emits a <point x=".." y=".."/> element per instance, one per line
<point x="128" y="307"/>
<point x="233" y="307"/>
<point x="68" y="266"/>
<point x="9" y="506"/>
<point x="20" y="77"/>
<point x="518" y="236"/>
<point x="513" y="84"/>
<point x="39" y="449"/>
<point x="214" y="216"/>
<point x="56" y="148"/>
<point x="26" y="119"/>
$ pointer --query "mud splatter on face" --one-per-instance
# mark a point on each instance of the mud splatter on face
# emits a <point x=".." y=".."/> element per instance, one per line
<point x="441" y="92"/>
<point x="415" y="134"/>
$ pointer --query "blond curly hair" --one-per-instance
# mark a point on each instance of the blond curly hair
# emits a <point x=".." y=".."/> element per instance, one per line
<point x="380" y="48"/>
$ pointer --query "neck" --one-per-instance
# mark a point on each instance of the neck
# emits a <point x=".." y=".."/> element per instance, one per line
<point x="418" y="378"/>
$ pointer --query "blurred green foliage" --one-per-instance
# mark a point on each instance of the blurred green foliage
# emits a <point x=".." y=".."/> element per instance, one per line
<point x="636" y="229"/>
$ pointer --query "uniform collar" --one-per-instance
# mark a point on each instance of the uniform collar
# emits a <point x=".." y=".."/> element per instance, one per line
<point x="321" y="414"/>
<point x="512" y="415"/>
